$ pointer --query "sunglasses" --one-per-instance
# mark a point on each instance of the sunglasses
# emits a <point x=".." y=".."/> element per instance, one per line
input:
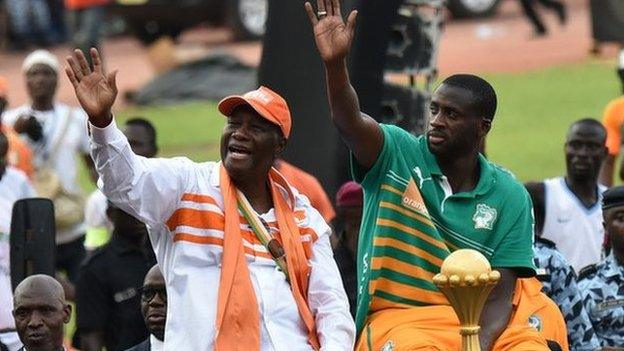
<point x="148" y="293"/>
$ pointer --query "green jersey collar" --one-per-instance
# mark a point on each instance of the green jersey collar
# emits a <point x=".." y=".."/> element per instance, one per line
<point x="487" y="176"/>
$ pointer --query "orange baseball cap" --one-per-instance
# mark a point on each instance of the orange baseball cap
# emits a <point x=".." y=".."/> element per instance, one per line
<point x="269" y="104"/>
<point x="4" y="87"/>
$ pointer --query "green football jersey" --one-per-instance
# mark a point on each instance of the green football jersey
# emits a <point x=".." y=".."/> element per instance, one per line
<point x="412" y="221"/>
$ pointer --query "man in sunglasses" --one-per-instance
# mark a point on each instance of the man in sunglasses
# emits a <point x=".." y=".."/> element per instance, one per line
<point x="154" y="310"/>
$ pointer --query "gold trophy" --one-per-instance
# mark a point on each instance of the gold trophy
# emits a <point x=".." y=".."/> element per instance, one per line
<point x="466" y="279"/>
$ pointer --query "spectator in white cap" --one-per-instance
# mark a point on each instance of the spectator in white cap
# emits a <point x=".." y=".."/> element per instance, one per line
<point x="58" y="137"/>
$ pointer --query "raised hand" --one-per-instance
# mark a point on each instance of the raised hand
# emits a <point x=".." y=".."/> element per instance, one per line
<point x="333" y="37"/>
<point x="95" y="89"/>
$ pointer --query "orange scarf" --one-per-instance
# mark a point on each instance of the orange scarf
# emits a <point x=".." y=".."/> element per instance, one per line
<point x="238" y="320"/>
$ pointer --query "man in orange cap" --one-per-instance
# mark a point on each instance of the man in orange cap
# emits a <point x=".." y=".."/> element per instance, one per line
<point x="20" y="155"/>
<point x="247" y="261"/>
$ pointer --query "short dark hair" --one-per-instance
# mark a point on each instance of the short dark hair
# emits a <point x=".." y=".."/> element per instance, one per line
<point x="590" y="123"/>
<point x="485" y="97"/>
<point x="144" y="123"/>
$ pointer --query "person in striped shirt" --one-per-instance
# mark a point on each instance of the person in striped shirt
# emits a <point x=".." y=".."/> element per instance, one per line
<point x="246" y="259"/>
<point x="426" y="196"/>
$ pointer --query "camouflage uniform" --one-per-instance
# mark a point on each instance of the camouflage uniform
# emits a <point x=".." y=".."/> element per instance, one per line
<point x="559" y="281"/>
<point x="602" y="287"/>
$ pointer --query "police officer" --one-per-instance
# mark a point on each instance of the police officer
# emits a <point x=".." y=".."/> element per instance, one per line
<point x="559" y="283"/>
<point x="601" y="284"/>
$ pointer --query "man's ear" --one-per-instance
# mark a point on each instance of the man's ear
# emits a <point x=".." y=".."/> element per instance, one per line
<point x="67" y="313"/>
<point x="486" y="125"/>
<point x="281" y="145"/>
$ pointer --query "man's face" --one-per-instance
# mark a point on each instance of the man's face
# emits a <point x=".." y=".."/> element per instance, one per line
<point x="614" y="226"/>
<point x="154" y="303"/>
<point x="139" y="140"/>
<point x="249" y="144"/>
<point x="454" y="126"/>
<point x="125" y="224"/>
<point x="584" y="151"/>
<point x="41" y="81"/>
<point x="39" y="320"/>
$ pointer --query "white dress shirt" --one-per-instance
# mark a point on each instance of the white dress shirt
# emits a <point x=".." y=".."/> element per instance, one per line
<point x="155" y="344"/>
<point x="181" y="203"/>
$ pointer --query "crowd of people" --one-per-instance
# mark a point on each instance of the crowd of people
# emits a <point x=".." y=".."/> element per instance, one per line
<point x="249" y="253"/>
<point x="41" y="23"/>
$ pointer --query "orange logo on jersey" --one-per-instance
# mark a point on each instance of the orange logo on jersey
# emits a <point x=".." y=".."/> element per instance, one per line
<point x="412" y="198"/>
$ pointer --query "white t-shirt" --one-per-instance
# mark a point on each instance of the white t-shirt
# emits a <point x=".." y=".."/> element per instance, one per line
<point x="14" y="185"/>
<point x="576" y="229"/>
<point x="74" y="143"/>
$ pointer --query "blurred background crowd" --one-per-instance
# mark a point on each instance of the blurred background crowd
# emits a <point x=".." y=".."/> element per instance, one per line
<point x="552" y="63"/>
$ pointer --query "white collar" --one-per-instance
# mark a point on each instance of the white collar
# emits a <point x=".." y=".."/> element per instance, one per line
<point x="155" y="344"/>
<point x="214" y="176"/>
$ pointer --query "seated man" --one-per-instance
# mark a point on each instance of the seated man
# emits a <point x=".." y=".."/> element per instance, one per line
<point x="40" y="311"/>
<point x="601" y="284"/>
<point x="425" y="197"/>
<point x="154" y="310"/>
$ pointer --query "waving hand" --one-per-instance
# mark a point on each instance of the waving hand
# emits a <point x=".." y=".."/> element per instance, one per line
<point x="95" y="89"/>
<point x="332" y="35"/>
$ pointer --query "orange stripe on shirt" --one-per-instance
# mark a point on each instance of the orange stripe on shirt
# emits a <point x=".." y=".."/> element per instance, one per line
<point x="383" y="241"/>
<point x="391" y="189"/>
<point x="201" y="199"/>
<point x="416" y="216"/>
<point x="402" y="267"/>
<point x="410" y="292"/>
<point x="196" y="218"/>
<point x="412" y="231"/>
<point x="210" y="240"/>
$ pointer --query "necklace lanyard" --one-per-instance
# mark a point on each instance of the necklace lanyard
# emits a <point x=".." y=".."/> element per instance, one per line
<point x="261" y="229"/>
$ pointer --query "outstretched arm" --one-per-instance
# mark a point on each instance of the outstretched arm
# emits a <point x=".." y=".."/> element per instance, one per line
<point x="333" y="39"/>
<point x="148" y="189"/>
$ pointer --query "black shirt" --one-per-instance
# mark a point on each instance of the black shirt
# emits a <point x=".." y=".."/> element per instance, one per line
<point x="348" y="272"/>
<point x="107" y="295"/>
